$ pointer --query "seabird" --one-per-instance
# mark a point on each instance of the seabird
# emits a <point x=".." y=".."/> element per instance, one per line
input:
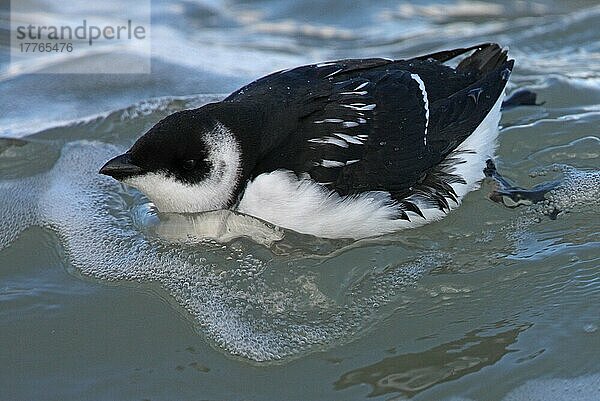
<point x="343" y="149"/>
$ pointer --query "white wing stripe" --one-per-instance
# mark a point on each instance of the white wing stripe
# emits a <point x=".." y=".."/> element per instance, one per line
<point x="359" y="106"/>
<point x="348" y="138"/>
<point x="329" y="120"/>
<point x="361" y="93"/>
<point x="417" y="78"/>
<point x="331" y="163"/>
<point x="320" y="65"/>
<point x="333" y="73"/>
<point x="330" y="140"/>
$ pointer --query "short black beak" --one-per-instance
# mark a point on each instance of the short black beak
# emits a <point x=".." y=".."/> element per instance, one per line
<point x="121" y="167"/>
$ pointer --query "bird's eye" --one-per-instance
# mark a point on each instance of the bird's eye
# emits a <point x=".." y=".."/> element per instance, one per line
<point x="189" y="164"/>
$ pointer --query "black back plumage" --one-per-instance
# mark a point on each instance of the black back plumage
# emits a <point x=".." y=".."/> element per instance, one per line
<point x="364" y="124"/>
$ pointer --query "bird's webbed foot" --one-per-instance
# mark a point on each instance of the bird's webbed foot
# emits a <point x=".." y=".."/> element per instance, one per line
<point x="512" y="196"/>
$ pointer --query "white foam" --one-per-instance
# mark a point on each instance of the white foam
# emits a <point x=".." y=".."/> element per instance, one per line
<point x="579" y="191"/>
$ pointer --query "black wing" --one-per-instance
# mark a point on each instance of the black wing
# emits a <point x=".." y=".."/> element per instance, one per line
<point x="376" y="124"/>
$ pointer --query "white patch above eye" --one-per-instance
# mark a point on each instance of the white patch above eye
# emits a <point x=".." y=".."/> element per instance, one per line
<point x="212" y="193"/>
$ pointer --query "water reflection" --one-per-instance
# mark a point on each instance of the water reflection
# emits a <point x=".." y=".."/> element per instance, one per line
<point x="411" y="373"/>
<point x="220" y="225"/>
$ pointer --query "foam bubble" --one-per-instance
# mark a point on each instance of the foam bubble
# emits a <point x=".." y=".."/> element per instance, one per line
<point x="578" y="191"/>
<point x="18" y="211"/>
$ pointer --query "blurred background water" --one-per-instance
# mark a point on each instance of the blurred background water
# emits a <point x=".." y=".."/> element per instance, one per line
<point x="488" y="304"/>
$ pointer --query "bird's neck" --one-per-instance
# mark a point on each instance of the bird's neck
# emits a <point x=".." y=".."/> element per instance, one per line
<point x="247" y="123"/>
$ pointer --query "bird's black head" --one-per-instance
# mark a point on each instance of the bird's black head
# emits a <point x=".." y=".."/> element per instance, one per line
<point x="176" y="146"/>
<point x="188" y="162"/>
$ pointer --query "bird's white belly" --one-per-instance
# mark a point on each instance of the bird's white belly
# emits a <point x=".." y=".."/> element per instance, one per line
<point x="303" y="205"/>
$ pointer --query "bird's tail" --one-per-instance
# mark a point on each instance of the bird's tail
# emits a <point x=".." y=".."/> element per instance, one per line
<point x="487" y="57"/>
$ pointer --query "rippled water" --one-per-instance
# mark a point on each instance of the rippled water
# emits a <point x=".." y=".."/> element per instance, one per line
<point x="101" y="297"/>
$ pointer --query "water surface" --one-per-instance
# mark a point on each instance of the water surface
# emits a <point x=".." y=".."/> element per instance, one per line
<point x="100" y="299"/>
